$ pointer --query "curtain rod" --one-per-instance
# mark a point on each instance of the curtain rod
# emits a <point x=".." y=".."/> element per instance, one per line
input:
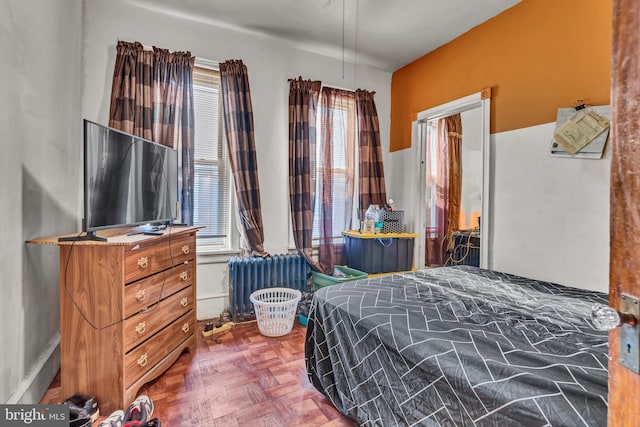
<point x="199" y="62"/>
<point x="373" y="92"/>
<point x="338" y="87"/>
<point x="330" y="86"/>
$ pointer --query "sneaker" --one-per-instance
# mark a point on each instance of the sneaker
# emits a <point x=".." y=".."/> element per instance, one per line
<point x="155" y="422"/>
<point x="114" y="420"/>
<point x="82" y="406"/>
<point x="140" y="411"/>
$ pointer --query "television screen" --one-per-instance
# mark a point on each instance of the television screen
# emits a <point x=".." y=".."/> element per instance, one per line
<point x="128" y="180"/>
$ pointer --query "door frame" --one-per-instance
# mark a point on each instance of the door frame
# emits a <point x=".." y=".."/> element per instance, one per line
<point x="624" y="272"/>
<point x="480" y="100"/>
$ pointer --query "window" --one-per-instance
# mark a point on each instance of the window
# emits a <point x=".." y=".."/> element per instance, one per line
<point x="211" y="162"/>
<point x="338" y="107"/>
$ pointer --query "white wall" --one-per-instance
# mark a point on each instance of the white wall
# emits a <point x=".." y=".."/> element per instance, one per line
<point x="550" y="215"/>
<point x="402" y="174"/>
<point x="40" y="46"/>
<point x="270" y="64"/>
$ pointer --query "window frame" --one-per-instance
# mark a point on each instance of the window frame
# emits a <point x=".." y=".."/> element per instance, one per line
<point x="207" y="245"/>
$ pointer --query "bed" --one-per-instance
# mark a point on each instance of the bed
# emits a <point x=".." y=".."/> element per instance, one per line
<point x="459" y="346"/>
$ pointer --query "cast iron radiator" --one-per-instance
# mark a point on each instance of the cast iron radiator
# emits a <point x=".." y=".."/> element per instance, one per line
<point x="248" y="274"/>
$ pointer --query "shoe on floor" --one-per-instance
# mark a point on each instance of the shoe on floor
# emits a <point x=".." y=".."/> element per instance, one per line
<point x="155" y="422"/>
<point x="116" y="419"/>
<point x="140" y="410"/>
<point x="82" y="406"/>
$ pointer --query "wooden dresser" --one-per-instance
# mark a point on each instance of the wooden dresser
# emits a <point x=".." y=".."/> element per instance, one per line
<point x="127" y="311"/>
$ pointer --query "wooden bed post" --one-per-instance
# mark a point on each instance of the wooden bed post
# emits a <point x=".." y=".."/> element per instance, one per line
<point x="624" y="276"/>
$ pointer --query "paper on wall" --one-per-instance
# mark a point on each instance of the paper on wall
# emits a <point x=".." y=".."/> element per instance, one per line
<point x="580" y="129"/>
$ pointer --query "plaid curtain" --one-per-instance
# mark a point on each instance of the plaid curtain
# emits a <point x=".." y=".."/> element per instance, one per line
<point x="238" y="121"/>
<point x="437" y="171"/>
<point x="151" y="94"/>
<point x="336" y="175"/>
<point x="446" y="186"/>
<point x="371" y="185"/>
<point x="454" y="142"/>
<point x="303" y="102"/>
<point x="131" y="109"/>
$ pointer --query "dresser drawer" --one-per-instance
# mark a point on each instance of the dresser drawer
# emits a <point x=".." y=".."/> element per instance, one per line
<point x="150" y="290"/>
<point x="143" y="325"/>
<point x="142" y="261"/>
<point x="146" y="356"/>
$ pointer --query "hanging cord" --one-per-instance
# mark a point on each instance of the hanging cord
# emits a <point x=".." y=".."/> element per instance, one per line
<point x="343" y="45"/>
<point x="386" y="245"/>
<point x="355" y="50"/>
<point x="228" y="327"/>
<point x="151" y="306"/>
<point x="466" y="246"/>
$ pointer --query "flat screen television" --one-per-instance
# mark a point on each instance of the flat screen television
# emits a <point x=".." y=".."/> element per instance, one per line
<point x="128" y="181"/>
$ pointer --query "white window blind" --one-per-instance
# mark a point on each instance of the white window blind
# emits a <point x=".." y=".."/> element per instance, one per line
<point x="211" y="161"/>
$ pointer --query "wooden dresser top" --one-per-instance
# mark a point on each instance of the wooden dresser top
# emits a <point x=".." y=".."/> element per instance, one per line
<point x="115" y="236"/>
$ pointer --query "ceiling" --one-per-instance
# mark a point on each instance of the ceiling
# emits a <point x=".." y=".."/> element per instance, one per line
<point x="384" y="34"/>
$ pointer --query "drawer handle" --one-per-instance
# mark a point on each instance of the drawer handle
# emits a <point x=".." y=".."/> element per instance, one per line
<point x="185" y="249"/>
<point x="185" y="328"/>
<point x="184" y="302"/>
<point x="140" y="295"/>
<point x="142" y="360"/>
<point x="141" y="327"/>
<point x="184" y="276"/>
<point x="143" y="262"/>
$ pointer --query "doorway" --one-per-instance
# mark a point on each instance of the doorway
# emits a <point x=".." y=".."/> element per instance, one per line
<point x="473" y="106"/>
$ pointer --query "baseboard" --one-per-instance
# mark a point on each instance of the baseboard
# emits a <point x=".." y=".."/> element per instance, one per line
<point x="210" y="306"/>
<point x="33" y="386"/>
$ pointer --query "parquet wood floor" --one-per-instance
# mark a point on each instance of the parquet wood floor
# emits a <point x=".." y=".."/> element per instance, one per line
<point x="244" y="379"/>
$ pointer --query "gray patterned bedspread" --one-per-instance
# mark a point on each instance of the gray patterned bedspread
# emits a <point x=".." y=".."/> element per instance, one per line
<point x="459" y="346"/>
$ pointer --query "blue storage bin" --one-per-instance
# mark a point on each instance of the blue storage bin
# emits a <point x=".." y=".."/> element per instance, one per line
<point x="321" y="280"/>
<point x="302" y="319"/>
<point x="379" y="253"/>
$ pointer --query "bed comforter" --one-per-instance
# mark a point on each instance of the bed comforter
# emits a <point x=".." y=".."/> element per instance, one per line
<point x="459" y="346"/>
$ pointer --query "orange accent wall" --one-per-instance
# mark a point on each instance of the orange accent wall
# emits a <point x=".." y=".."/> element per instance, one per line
<point x="537" y="56"/>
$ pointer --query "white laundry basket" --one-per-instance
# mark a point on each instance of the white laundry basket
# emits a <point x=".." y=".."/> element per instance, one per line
<point x="275" y="310"/>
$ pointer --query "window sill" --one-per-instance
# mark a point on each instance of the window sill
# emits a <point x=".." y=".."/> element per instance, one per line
<point x="215" y="256"/>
